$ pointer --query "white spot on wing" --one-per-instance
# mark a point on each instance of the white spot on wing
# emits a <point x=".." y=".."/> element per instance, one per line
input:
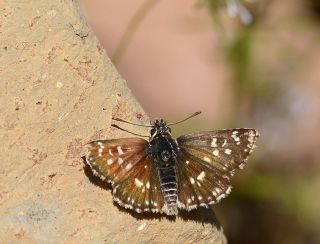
<point x="187" y="162"/>
<point x="119" y="150"/>
<point x="201" y="176"/>
<point x="241" y="166"/>
<point x="220" y="197"/>
<point x="214" y="142"/>
<point x="208" y="160"/>
<point x="120" y="161"/>
<point x="109" y="161"/>
<point x="148" y="185"/>
<point x="129" y="166"/>
<point x="111" y="154"/>
<point x="191" y="180"/>
<point x="224" y="142"/>
<point x="138" y="182"/>
<point x="228" y="151"/>
<point x="215" y="152"/>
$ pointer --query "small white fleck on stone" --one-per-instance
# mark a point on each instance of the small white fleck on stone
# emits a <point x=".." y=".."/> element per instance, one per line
<point x="214" y="142"/>
<point x="142" y="226"/>
<point x="191" y="180"/>
<point x="215" y="152"/>
<point x="138" y="182"/>
<point x="208" y="160"/>
<point x="201" y="176"/>
<point x="59" y="84"/>
<point x="228" y="151"/>
<point x="119" y="150"/>
<point x="109" y="161"/>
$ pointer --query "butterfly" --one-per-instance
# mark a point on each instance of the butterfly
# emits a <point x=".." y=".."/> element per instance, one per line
<point x="163" y="174"/>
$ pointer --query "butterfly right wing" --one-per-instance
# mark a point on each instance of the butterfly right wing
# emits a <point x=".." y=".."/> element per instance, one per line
<point x="125" y="164"/>
<point x="206" y="162"/>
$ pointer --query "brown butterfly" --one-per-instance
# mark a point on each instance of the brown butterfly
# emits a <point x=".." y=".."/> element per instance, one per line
<point x="165" y="174"/>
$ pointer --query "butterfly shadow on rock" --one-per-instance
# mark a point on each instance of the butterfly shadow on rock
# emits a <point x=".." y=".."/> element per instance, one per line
<point x="201" y="215"/>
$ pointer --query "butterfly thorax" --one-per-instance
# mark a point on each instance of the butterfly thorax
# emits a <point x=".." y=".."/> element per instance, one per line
<point x="164" y="150"/>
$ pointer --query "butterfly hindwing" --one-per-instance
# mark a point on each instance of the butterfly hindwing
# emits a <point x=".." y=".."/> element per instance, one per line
<point x="206" y="162"/>
<point x="125" y="163"/>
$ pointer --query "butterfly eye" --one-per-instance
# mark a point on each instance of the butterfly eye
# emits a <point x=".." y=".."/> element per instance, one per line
<point x="153" y="130"/>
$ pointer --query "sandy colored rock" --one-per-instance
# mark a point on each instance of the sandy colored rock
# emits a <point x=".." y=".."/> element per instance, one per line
<point x="59" y="91"/>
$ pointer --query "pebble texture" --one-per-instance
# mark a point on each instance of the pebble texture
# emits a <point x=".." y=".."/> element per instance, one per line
<point x="59" y="91"/>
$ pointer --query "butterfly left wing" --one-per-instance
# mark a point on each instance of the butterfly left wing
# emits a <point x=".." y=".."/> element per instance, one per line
<point x="125" y="164"/>
<point x="206" y="162"/>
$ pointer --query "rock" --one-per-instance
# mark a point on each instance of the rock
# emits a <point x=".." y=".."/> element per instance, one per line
<point x="58" y="92"/>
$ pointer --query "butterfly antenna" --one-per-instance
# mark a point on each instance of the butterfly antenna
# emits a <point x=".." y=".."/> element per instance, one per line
<point x="115" y="126"/>
<point x="124" y="121"/>
<point x="191" y="116"/>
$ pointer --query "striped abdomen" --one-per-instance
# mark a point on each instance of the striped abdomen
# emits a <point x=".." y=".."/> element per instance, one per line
<point x="169" y="188"/>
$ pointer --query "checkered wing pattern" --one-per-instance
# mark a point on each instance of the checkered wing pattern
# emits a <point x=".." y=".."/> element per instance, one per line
<point x="206" y="162"/>
<point x="125" y="164"/>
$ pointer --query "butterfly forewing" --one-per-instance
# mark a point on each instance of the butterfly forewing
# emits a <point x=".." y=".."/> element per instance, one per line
<point x="207" y="161"/>
<point x="125" y="163"/>
<point x="224" y="149"/>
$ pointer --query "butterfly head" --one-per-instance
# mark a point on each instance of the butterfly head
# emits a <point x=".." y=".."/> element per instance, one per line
<point x="160" y="128"/>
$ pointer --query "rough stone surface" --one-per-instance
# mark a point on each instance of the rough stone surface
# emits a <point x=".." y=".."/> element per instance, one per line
<point x="59" y="91"/>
